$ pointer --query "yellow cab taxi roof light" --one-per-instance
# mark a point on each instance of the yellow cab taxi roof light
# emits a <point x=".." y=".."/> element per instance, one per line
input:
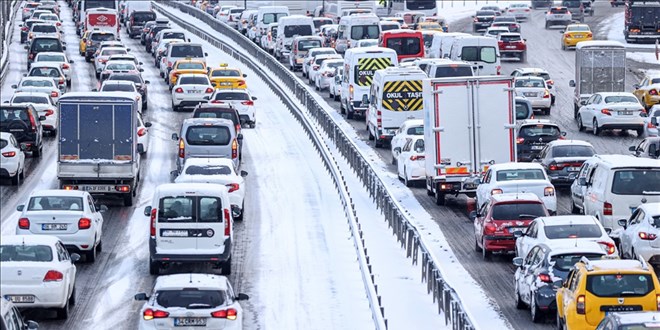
<point x="224" y="65"/>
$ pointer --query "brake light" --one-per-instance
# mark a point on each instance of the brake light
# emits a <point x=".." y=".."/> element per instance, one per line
<point x="182" y="149"/>
<point x="241" y="83"/>
<point x="657" y="301"/>
<point x="650" y="125"/>
<point x="238" y="128"/>
<point x="217" y="102"/>
<point x="417" y="157"/>
<point x="61" y="81"/>
<point x="142" y="131"/>
<point x="608" y="246"/>
<point x="476" y="19"/>
<point x="549" y="191"/>
<point x="227" y="223"/>
<point x="84" y="223"/>
<point x="379" y="118"/>
<point x="24" y="223"/>
<point x="247" y="102"/>
<point x="350" y="92"/>
<point x="315" y="67"/>
<point x="653" y="92"/>
<point x="102" y="60"/>
<point x="489" y="229"/>
<point x="32" y="121"/>
<point x="209" y="90"/>
<point x="31" y="35"/>
<point x="178" y="90"/>
<point x="589" y="35"/>
<point x="545" y="278"/>
<point x="520" y="140"/>
<point x="53" y="276"/>
<point x="31" y="56"/>
<point x="550" y="82"/>
<point x="9" y="154"/>
<point x="546" y="94"/>
<point x="233" y="187"/>
<point x="607" y="208"/>
<point x="647" y="236"/>
<point x="145" y="30"/>
<point x="581" y="304"/>
<point x="150" y="314"/>
<point x="554" y="166"/>
<point x="234" y="149"/>
<point x="152" y="220"/>
<point x="25" y="29"/>
<point x="499" y="69"/>
<point x="229" y="314"/>
<point x="606" y="112"/>
<point x="496" y="191"/>
<point x="54" y="94"/>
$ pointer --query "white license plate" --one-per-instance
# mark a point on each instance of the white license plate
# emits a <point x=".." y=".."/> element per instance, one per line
<point x="53" y="226"/>
<point x="96" y="188"/>
<point x="225" y="84"/>
<point x="189" y="321"/>
<point x="577" y="36"/>
<point x="573" y="169"/>
<point x="625" y="113"/>
<point x="299" y="61"/>
<point x="530" y="94"/>
<point x="194" y="92"/>
<point x="510" y="47"/>
<point x="21" y="299"/>
<point x="174" y="233"/>
<point x="513" y="229"/>
<point x="469" y="186"/>
<point x="537" y="147"/>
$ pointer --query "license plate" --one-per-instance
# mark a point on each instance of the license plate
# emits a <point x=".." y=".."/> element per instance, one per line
<point x="625" y="113"/>
<point x="510" y="47"/>
<point x="514" y="229"/>
<point x="530" y="94"/>
<point x="577" y="36"/>
<point x="21" y="299"/>
<point x="174" y="233"/>
<point x="96" y="188"/>
<point x="573" y="169"/>
<point x="299" y="61"/>
<point x="189" y="321"/>
<point x="537" y="147"/>
<point x="194" y="92"/>
<point x="469" y="186"/>
<point x="225" y="84"/>
<point x="53" y="226"/>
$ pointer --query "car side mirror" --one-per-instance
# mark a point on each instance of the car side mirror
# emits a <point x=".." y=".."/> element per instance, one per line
<point x="242" y="296"/>
<point x="71" y="61"/>
<point x="654" y="121"/>
<point x="240" y="136"/>
<point x="20" y="208"/>
<point x="175" y="136"/>
<point x="26" y="47"/>
<point x="148" y="124"/>
<point x="14" y="86"/>
<point x="397" y="149"/>
<point x="74" y="257"/>
<point x="582" y="181"/>
<point x="623" y="223"/>
<point x="518" y="234"/>
<point x="562" y="134"/>
<point x="63" y="47"/>
<point x="244" y="173"/>
<point x="254" y="98"/>
<point x="42" y="118"/>
<point x="636" y="86"/>
<point x="141" y="296"/>
<point x="518" y="261"/>
<point x="128" y="49"/>
<point x="147" y="210"/>
<point x="140" y="148"/>
<point x="141" y="70"/>
<point x="140" y="63"/>
<point x="31" y="325"/>
<point x="608" y="230"/>
<point x="173" y="175"/>
<point x="632" y="148"/>
<point x="188" y="39"/>
<point x="147" y="82"/>
<point x="207" y="97"/>
<point x="571" y="83"/>
<point x="206" y="54"/>
<point x="473" y="215"/>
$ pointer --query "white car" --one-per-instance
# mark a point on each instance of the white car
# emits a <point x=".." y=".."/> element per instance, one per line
<point x="126" y="57"/>
<point x="111" y="67"/>
<point x="269" y="38"/>
<point x="52" y="18"/>
<point x="50" y="70"/>
<point x="640" y="235"/>
<point x="191" y="89"/>
<point x="606" y="111"/>
<point x="409" y="129"/>
<point x="494" y="31"/>
<point x="651" y="129"/>
<point x="334" y="90"/>
<point x="104" y="54"/>
<point x="517" y="178"/>
<point x="59" y="57"/>
<point x="38" y="85"/>
<point x="124" y="86"/>
<point x="12" y="159"/>
<point x="411" y="164"/>
<point x="564" y="228"/>
<point x="44" y="105"/>
<point x="219" y="171"/>
<point x="241" y="100"/>
<point x="191" y="301"/>
<point x="307" y="62"/>
<point x="317" y="61"/>
<point x="223" y="13"/>
<point x="160" y="50"/>
<point x="326" y="73"/>
<point x="535" y="90"/>
<point x="11" y="316"/>
<point x="538" y="72"/>
<point x="43" y="30"/>
<point x="38" y="272"/>
<point x="69" y="215"/>
<point x="520" y="11"/>
<point x="143" y="134"/>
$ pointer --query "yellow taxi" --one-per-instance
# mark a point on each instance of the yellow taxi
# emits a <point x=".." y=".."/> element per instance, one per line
<point x="430" y="26"/>
<point x="82" y="45"/>
<point x="575" y="33"/>
<point x="226" y="77"/>
<point x="186" y="65"/>
<point x="648" y="90"/>
<point x="595" y="288"/>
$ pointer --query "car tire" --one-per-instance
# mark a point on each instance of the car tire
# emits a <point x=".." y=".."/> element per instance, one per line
<point x="371" y="136"/>
<point x="640" y="132"/>
<point x="90" y="256"/>
<point x="393" y="160"/>
<point x="580" y="124"/>
<point x="349" y="114"/>
<point x="16" y="180"/>
<point x="595" y="129"/>
<point x="547" y="25"/>
<point x="559" y="322"/>
<point x="477" y="248"/>
<point x="546" y="111"/>
<point x="128" y="199"/>
<point x="378" y="142"/>
<point x="37" y="153"/>
<point x="68" y="83"/>
<point x="63" y="313"/>
<point x="405" y="178"/>
<point x="440" y="198"/>
<point x="226" y="268"/>
<point x="72" y="298"/>
<point x="519" y="303"/>
<point x="485" y="254"/>
<point x="154" y="267"/>
<point x="240" y="217"/>
<point x="536" y="313"/>
<point x="563" y="46"/>
<point x="574" y="208"/>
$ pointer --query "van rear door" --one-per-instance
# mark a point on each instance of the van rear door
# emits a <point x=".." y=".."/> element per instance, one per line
<point x="213" y="223"/>
<point x="402" y="100"/>
<point x="177" y="228"/>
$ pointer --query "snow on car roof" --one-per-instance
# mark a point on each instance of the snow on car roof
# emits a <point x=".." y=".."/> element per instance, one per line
<point x="651" y="208"/>
<point x="638" y="317"/>
<point x="199" y="161"/>
<point x="176" y="189"/>
<point x="570" y="142"/>
<point x="560" y="220"/>
<point x="58" y="192"/>
<point x="608" y="264"/>
<point x="515" y="166"/>
<point x="200" y="281"/>
<point x="558" y="247"/>
<point x="532" y="70"/>
<point x="29" y="239"/>
<point x="624" y="161"/>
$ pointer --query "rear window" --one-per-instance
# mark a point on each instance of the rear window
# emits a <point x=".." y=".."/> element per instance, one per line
<point x="46" y="45"/>
<point x="232" y="96"/>
<point x="543" y="75"/>
<point x="30" y="99"/>
<point x="45" y="72"/>
<point x="173" y="35"/>
<point x="513" y="175"/>
<point x="415" y="131"/>
<point x="14" y="114"/>
<point x="194" y="81"/>
<point x="190" y="66"/>
<point x="620" y="99"/>
<point x="187" y="51"/>
<point x="573" y="151"/>
<point x="301" y="30"/>
<point x="208" y="135"/>
<point x="539" y="131"/>
<point x="129" y="77"/>
<point x="558" y="11"/>
<point x="320" y="22"/>
<point x="571" y="4"/>
<point x="517" y="211"/>
<point x="102" y="37"/>
<point x="118" y="88"/>
<point x="620" y="285"/>
<point x="190" y="298"/>
<point x="636" y="182"/>
<point x="40" y="253"/>
<point x="273" y="17"/>
<point x="38" y="83"/>
<point x="453" y="70"/>
<point x="50" y="203"/>
<point x="485" y="13"/>
<point x="208" y="170"/>
<point x="387" y="27"/>
<point x="50" y="58"/>
<point x="523" y="110"/>
<point x="530" y="83"/>
<point x="304" y="45"/>
<point x="483" y="54"/>
<point x="573" y="231"/>
<point x="359" y="32"/>
<point x="108" y="52"/>
<point x="565" y="262"/>
<point x="226" y="73"/>
<point x="404" y="46"/>
<point x="44" y="28"/>
<point x="120" y="67"/>
<point x="143" y="16"/>
<point x="189" y="209"/>
<point x="584" y="28"/>
<point x="231" y="115"/>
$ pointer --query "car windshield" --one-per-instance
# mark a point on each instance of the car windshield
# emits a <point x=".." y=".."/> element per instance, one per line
<point x="118" y="88"/>
<point x="39" y="253"/>
<point x="404" y="45"/>
<point x="359" y="32"/>
<point x="120" y="67"/>
<point x="30" y="99"/>
<point x="44" y="28"/>
<point x="208" y="135"/>
<point x="520" y="174"/>
<point x="273" y="17"/>
<point x="187" y="51"/>
<point x="301" y="30"/>
<point x="50" y="58"/>
<point x="621" y="99"/>
<point x="45" y="72"/>
<point x="517" y="211"/>
<point x="620" y="285"/>
<point x="571" y="3"/>
<point x="191" y="298"/>
<point x="636" y="182"/>
<point x="304" y="45"/>
<point x="565" y="262"/>
<point x="217" y="114"/>
<point x="539" y="131"/>
<point x="190" y="66"/>
<point x="485" y="13"/>
<point x="226" y="73"/>
<point x="194" y="81"/>
<point x="573" y="231"/>
<point x="655" y="81"/>
<point x="543" y="75"/>
<point x="530" y="83"/>
<point x="573" y="151"/>
<point x="60" y="203"/>
<point x="523" y="110"/>
<point x="102" y="37"/>
<point x="232" y="96"/>
<point x="129" y="77"/>
<point x="108" y="52"/>
<point x="208" y="170"/>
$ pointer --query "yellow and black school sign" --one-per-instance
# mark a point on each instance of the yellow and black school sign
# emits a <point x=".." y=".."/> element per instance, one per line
<point x="404" y="95"/>
<point x="366" y="68"/>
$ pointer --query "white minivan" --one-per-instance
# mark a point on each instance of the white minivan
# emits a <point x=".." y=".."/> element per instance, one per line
<point x="356" y="27"/>
<point x="190" y="223"/>
<point x="441" y="44"/>
<point x="482" y="52"/>
<point x="267" y="15"/>
<point x="288" y="28"/>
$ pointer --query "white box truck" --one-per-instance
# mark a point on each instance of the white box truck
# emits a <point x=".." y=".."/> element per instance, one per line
<point x="469" y="125"/>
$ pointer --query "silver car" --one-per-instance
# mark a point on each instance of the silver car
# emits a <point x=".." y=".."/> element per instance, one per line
<point x="208" y="137"/>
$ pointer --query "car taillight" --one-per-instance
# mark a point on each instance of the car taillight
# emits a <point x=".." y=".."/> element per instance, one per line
<point x="650" y="125"/>
<point x="350" y="92"/>
<point x="150" y="314"/>
<point x="233" y="187"/>
<point x="54" y="94"/>
<point x="549" y="191"/>
<point x="84" y="223"/>
<point x="33" y="123"/>
<point x="546" y="94"/>
<point x="379" y="118"/>
<point x="103" y="60"/>
<point x="229" y="314"/>
<point x="209" y="90"/>
<point x="250" y="102"/>
<point x="53" y="276"/>
<point x="89" y="42"/>
<point x="500" y="43"/>
<point x="657" y="301"/>
<point x="499" y="69"/>
<point x="234" y="149"/>
<point x="31" y="35"/>
<point x="315" y="67"/>
<point x="142" y="131"/>
<point x="489" y="228"/>
<point x="653" y="92"/>
<point x="9" y="154"/>
<point x="647" y="236"/>
<point x="145" y="30"/>
<point x="178" y="90"/>
<point x="520" y="140"/>
<point x="238" y="128"/>
<point x="589" y="35"/>
<point x="24" y="29"/>
<point x="217" y="102"/>
<point x="182" y="149"/>
<point x="152" y="220"/>
<point x="607" y="208"/>
<point x="169" y="64"/>
<point x="476" y="19"/>
<point x="65" y="66"/>
<point x="554" y="166"/>
<point x="61" y="81"/>
<point x="606" y="112"/>
<point x="608" y="247"/>
<point x="24" y="223"/>
<point x="550" y="82"/>
<point x="581" y="304"/>
<point x="241" y="83"/>
<point x="496" y="191"/>
<point x="227" y="222"/>
<point x="417" y="157"/>
<point x="31" y="56"/>
<point x="545" y="278"/>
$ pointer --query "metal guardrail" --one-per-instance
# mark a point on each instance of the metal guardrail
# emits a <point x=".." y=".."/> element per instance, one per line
<point x="7" y="14"/>
<point x="368" y="278"/>
<point x="407" y="234"/>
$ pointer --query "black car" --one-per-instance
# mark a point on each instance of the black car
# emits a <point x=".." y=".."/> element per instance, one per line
<point x="137" y="20"/>
<point x="25" y="28"/>
<point x="94" y="40"/>
<point x="24" y="122"/>
<point x="562" y="159"/>
<point x="542" y="271"/>
<point x="43" y="44"/>
<point x="533" y="135"/>
<point x="152" y="33"/>
<point x="145" y="30"/>
<point x="482" y="20"/>
<point x="140" y="84"/>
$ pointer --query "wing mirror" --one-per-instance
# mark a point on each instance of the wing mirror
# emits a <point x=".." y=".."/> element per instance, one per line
<point x="242" y="296"/>
<point x="623" y="223"/>
<point x="254" y="98"/>
<point x="206" y="97"/>
<point x="632" y="149"/>
<point x="20" y="208"/>
<point x="147" y="82"/>
<point x="558" y="284"/>
<point x="14" y="86"/>
<point x="636" y="86"/>
<point x="240" y="136"/>
<point x="140" y="63"/>
<point x="148" y="124"/>
<point x="654" y="121"/>
<point x="397" y="149"/>
<point x="141" y="70"/>
<point x="141" y="296"/>
<point x="582" y="181"/>
<point x="244" y="173"/>
<point x="128" y="49"/>
<point x="518" y="234"/>
<point x="474" y="215"/>
<point x="562" y="134"/>
<point x="571" y="83"/>
<point x="244" y="75"/>
<point x="102" y="208"/>
<point x="173" y="175"/>
<point x="583" y="102"/>
<point x="74" y="257"/>
<point x="518" y="261"/>
<point x="206" y="54"/>
<point x="147" y="210"/>
<point x="42" y="118"/>
<point x="31" y="325"/>
<point x="175" y="136"/>
<point x="608" y="230"/>
<point x="140" y="148"/>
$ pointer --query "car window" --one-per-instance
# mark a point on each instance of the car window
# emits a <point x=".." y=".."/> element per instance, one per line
<point x="108" y="52"/>
<point x="404" y="45"/>
<point x="359" y="32"/>
<point x="530" y="83"/>
<point x="620" y="285"/>
<point x="102" y="37"/>
<point x="620" y="99"/>
<point x="45" y="72"/>
<point x="190" y="66"/>
<point x="573" y="151"/>
<point x="120" y="67"/>
<point x="194" y="80"/>
<point x="46" y="45"/>
<point x="565" y="262"/>
<point x="38" y="83"/>
<point x="129" y="77"/>
<point x="474" y="53"/>
<point x="118" y="88"/>
<point x="304" y="45"/>
<point x="531" y="255"/>
<point x="419" y="145"/>
<point x="636" y="182"/>
<point x="191" y="298"/>
<point x="176" y="209"/>
<point x="576" y="280"/>
<point x="23" y="252"/>
<point x="208" y="135"/>
<point x="419" y="130"/>
<point x="210" y="209"/>
<point x="539" y="130"/>
<point x="48" y="203"/>
<point x="272" y="17"/>
<point x="44" y="28"/>
<point x="50" y="58"/>
<point x="216" y="114"/>
<point x="186" y="51"/>
<point x="527" y="174"/>
<point x="208" y="170"/>
<point x="532" y="230"/>
<point x="226" y="73"/>
<point x="3" y="143"/>
<point x="573" y="231"/>
<point x="232" y="96"/>
<point x="30" y="99"/>
<point x="517" y="211"/>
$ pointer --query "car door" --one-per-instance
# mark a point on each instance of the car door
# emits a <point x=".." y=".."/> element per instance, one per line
<point x="585" y="111"/>
<point x="211" y="227"/>
<point x="483" y="190"/>
<point x="630" y="235"/>
<point x="528" y="240"/>
<point x="176" y="225"/>
<point x="401" y="158"/>
<point x="526" y="282"/>
<point x="396" y="140"/>
<point x="562" y="293"/>
<point x="639" y="91"/>
<point x="95" y="216"/>
<point x="66" y="265"/>
<point x="479" y="222"/>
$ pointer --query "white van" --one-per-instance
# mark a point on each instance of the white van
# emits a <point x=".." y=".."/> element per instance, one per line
<point x="441" y="44"/>
<point x="190" y="223"/>
<point x="356" y="27"/>
<point x="289" y="27"/>
<point x="360" y="64"/>
<point x="616" y="185"/>
<point x="395" y="96"/>
<point x="267" y="15"/>
<point x="482" y="52"/>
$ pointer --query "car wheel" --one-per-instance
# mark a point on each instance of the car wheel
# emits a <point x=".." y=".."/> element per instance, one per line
<point x="546" y="111"/>
<point x="579" y="123"/>
<point x="99" y="247"/>
<point x="371" y="136"/>
<point x="535" y="312"/>
<point x="393" y="160"/>
<point x="154" y="267"/>
<point x="128" y="199"/>
<point x="37" y="152"/>
<point x="90" y="256"/>
<point x="226" y="268"/>
<point x="476" y="245"/>
<point x="640" y="132"/>
<point x="63" y="313"/>
<point x="596" y="130"/>
<point x="336" y="98"/>
<point x="559" y="323"/>
<point x="240" y="217"/>
<point x="72" y="298"/>
<point x="440" y="198"/>
<point x="68" y="83"/>
<point x="16" y="180"/>
<point x="574" y="208"/>
<point x="405" y="178"/>
<point x="519" y="303"/>
<point x="349" y="114"/>
<point x="485" y="254"/>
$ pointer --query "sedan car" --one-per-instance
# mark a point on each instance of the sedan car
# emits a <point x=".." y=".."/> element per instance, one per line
<point x="411" y="160"/>
<point x="226" y="77"/>
<point x="38" y="272"/>
<point x="190" y="90"/>
<point x="533" y="135"/>
<point x="648" y="90"/>
<point x="536" y="91"/>
<point x="69" y="215"/>
<point x="326" y="74"/>
<point x="219" y="171"/>
<point x="136" y="78"/>
<point x="409" y="129"/>
<point x="517" y="178"/>
<point x="103" y="56"/>
<point x="123" y="86"/>
<point x="562" y="159"/>
<point x="520" y="11"/>
<point x="640" y="235"/>
<point x="316" y="65"/>
<point x="25" y="28"/>
<point x="143" y="135"/>
<point x="544" y="268"/>
<point x="38" y="85"/>
<point x="44" y="105"/>
<point x="126" y="57"/>
<point x="309" y="58"/>
<point x="57" y="57"/>
<point x="648" y="148"/>
<point x="500" y="217"/>
<point x="575" y="33"/>
<point x="191" y="300"/>
<point x="564" y="229"/>
<point x="608" y="111"/>
<point x="239" y="99"/>
<point x="494" y="31"/>
<point x="50" y="70"/>
<point x="119" y="66"/>
<point x="12" y="159"/>
<point x="537" y="72"/>
<point x="185" y="66"/>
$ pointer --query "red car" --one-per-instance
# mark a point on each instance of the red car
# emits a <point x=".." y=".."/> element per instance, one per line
<point x="512" y="45"/>
<point x="497" y="220"/>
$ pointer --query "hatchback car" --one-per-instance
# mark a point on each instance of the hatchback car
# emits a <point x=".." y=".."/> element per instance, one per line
<point x="562" y="159"/>
<point x="409" y="129"/>
<point x="608" y="111"/>
<point x="537" y="72"/>
<point x="239" y="99"/>
<point x="24" y="123"/>
<point x="651" y="122"/>
<point x="411" y="160"/>
<point x="533" y="135"/>
<point x="207" y="137"/>
<point x="648" y="148"/>
<point x="648" y="90"/>
<point x="326" y="74"/>
<point x="12" y="159"/>
<point x="536" y="91"/>
<point x="44" y="105"/>
<point x="640" y="235"/>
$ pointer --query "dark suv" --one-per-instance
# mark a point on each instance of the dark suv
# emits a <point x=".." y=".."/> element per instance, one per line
<point x="533" y="135"/>
<point x="43" y="44"/>
<point x="24" y="122"/>
<point x="137" y="20"/>
<point x="152" y="33"/>
<point x="482" y="20"/>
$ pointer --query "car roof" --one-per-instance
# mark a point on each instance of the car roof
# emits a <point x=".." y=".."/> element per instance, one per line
<point x="18" y="93"/>
<point x="5" y="135"/>
<point x="515" y="197"/>
<point x="560" y="220"/>
<point x="569" y="142"/>
<point x="616" y="264"/>
<point x="209" y="161"/>
<point x="605" y="94"/>
<point x="29" y="239"/>
<point x="213" y="121"/>
<point x="558" y="247"/>
<point x="652" y="208"/>
<point x="627" y="161"/>
<point x="531" y="70"/>
<point x="624" y="318"/>
<point x="175" y="189"/>
<point x="530" y="122"/>
<point x="50" y="64"/>
<point x="515" y="166"/>
<point x="118" y="82"/>
<point x="58" y="192"/>
<point x="114" y="48"/>
<point x="198" y="75"/>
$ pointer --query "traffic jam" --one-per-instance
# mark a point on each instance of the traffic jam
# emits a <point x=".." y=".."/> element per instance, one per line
<point x="531" y="170"/>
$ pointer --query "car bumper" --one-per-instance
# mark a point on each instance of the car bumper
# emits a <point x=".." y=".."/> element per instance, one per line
<point x="357" y="107"/>
<point x="546" y="298"/>
<point x="540" y="103"/>
<point x="572" y="42"/>
<point x="648" y="253"/>
<point x="189" y="258"/>
<point x="499" y="243"/>
<point x="325" y="82"/>
<point x="9" y="168"/>
<point x="416" y="171"/>
<point x="618" y="124"/>
<point x="550" y="203"/>
<point x="527" y="155"/>
<point x="46" y="294"/>
<point x="562" y="176"/>
<point x="188" y="101"/>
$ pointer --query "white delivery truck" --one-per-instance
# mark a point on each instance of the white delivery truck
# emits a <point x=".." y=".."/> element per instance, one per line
<point x="469" y="125"/>
<point x="396" y="96"/>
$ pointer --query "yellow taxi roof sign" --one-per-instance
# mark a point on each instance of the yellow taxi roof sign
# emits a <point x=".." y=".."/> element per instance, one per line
<point x="223" y="65"/>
